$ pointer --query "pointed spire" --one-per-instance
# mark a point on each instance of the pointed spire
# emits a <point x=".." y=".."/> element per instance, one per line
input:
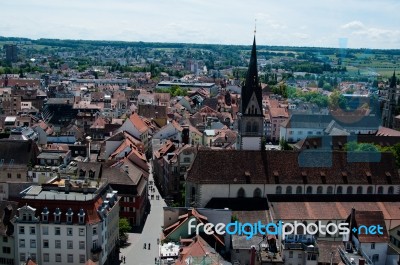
<point x="252" y="83"/>
<point x="393" y="80"/>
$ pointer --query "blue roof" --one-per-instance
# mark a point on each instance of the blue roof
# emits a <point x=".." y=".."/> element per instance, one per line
<point x="61" y="139"/>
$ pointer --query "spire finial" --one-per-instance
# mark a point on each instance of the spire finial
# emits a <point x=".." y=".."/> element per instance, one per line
<point x="255" y="26"/>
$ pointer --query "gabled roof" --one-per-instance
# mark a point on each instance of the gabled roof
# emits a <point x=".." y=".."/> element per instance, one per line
<point x="198" y="252"/>
<point x="183" y="219"/>
<point x="368" y="218"/>
<point x="99" y="123"/>
<point x="138" y="122"/>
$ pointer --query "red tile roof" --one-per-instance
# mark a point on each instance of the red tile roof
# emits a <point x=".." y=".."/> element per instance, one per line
<point x="138" y="123"/>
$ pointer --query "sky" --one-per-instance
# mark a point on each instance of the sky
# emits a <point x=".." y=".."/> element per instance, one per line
<point x="315" y="23"/>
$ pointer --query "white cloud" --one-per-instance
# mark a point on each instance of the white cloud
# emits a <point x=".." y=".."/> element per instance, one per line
<point x="353" y="25"/>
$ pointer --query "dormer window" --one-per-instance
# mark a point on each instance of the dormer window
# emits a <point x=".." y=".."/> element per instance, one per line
<point x="57" y="215"/>
<point x="81" y="216"/>
<point x="69" y="215"/>
<point x="45" y="214"/>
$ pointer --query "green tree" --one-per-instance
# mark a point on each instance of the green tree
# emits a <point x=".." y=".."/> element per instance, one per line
<point x="284" y="145"/>
<point x="124" y="229"/>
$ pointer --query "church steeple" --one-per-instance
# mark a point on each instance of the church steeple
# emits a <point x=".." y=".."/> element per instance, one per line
<point x="251" y="85"/>
<point x="393" y="80"/>
<point x="251" y="118"/>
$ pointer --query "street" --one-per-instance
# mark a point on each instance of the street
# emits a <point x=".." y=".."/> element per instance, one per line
<point x="134" y="252"/>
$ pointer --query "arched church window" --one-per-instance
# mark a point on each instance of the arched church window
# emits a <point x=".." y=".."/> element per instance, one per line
<point x="241" y="193"/>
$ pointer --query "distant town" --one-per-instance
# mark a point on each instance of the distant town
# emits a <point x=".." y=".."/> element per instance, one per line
<point x="110" y="152"/>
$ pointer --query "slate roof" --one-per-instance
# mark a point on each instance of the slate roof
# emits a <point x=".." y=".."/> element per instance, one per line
<point x="17" y="152"/>
<point x="322" y="121"/>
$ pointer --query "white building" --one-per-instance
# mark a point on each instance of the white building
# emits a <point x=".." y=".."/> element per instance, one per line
<point x="299" y="127"/>
<point x="66" y="222"/>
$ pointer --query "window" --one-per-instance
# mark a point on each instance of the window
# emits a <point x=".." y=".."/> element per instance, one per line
<point x="9" y="175"/>
<point x="309" y="190"/>
<point x="339" y="190"/>
<point x="257" y="193"/>
<point x="18" y="175"/>
<point x="241" y="193"/>
<point x="299" y="190"/>
<point x="94" y="230"/>
<point x="390" y="190"/>
<point x="82" y="259"/>
<point x="375" y="258"/>
<point x="57" y="231"/>
<point x="45" y="243"/>
<point x="22" y="257"/>
<point x="349" y="190"/>
<point x="22" y="243"/>
<point x="21" y="230"/>
<point x="329" y="190"/>
<point x="94" y="244"/>
<point x="81" y="244"/>
<point x="58" y="257"/>
<point x="5" y="239"/>
<point x="33" y="243"/>
<point x="81" y="232"/>
<point x="186" y="159"/>
<point x="69" y="219"/>
<point x="359" y="190"/>
<point x="319" y="190"/>
<point x="369" y="190"/>
<point x="6" y="250"/>
<point x="32" y="230"/>
<point x="278" y="190"/>
<point x="70" y="244"/>
<point x="58" y="244"/>
<point x="70" y="258"/>
<point x="33" y="256"/>
<point x="45" y="230"/>
<point x="288" y="190"/>
<point x="69" y="231"/>
<point x="372" y="245"/>
<point x="46" y="257"/>
<point x="380" y="190"/>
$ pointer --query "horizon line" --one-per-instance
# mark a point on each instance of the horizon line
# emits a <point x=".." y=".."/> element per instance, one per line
<point x="196" y="43"/>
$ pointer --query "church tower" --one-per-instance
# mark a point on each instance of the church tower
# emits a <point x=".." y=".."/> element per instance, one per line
<point x="390" y="104"/>
<point x="251" y="118"/>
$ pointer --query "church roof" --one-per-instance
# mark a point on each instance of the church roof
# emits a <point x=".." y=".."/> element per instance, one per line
<point x="288" y="167"/>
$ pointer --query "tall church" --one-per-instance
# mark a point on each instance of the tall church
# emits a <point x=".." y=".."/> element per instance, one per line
<point x="250" y="117"/>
